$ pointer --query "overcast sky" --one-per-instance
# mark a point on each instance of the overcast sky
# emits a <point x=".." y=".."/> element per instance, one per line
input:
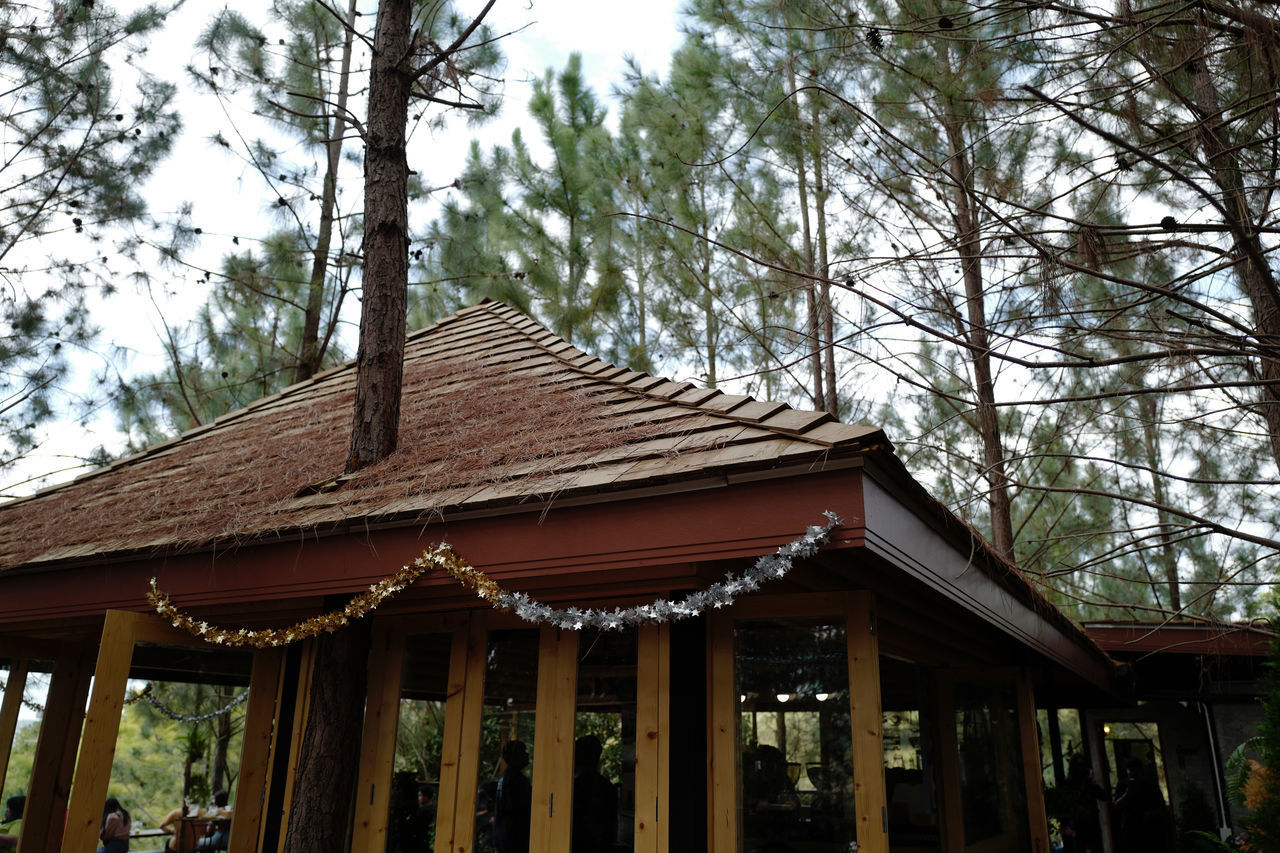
<point x="229" y="202"/>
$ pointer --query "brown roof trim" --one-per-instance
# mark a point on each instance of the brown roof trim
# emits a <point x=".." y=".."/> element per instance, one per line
<point x="1242" y="640"/>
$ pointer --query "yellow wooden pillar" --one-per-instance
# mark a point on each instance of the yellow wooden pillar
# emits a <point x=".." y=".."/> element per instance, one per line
<point x="722" y="738"/>
<point x="45" y="812"/>
<point x="378" y="743"/>
<point x="101" y="727"/>
<point x="867" y="723"/>
<point x="15" y="686"/>
<point x="1029" y="741"/>
<point x="653" y="713"/>
<point x="552" y="812"/>
<point x="301" y="708"/>
<point x="255" y="755"/>
<point x="460" y="751"/>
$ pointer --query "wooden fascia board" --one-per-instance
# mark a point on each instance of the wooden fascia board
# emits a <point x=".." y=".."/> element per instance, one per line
<point x="918" y="549"/>
<point x="732" y="520"/>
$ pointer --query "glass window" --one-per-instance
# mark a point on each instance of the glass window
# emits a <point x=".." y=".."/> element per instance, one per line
<point x="411" y="823"/>
<point x="993" y="796"/>
<point x="604" y="755"/>
<point x="795" y="773"/>
<point x="505" y="795"/>
<point x="909" y="767"/>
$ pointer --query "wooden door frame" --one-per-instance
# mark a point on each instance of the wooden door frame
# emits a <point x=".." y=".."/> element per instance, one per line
<point x="857" y="608"/>
<point x="1018" y="680"/>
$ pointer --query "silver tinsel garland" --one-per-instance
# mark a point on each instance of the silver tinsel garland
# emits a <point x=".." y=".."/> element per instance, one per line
<point x="183" y="718"/>
<point x="768" y="567"/>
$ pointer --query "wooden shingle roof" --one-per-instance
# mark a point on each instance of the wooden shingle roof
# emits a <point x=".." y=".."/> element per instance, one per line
<point x="497" y="412"/>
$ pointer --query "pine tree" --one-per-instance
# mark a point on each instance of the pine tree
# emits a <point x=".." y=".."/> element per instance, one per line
<point x="77" y="149"/>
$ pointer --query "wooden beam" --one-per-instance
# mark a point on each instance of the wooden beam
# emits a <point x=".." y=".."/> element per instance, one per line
<point x="45" y="812"/>
<point x="14" y="688"/>
<point x="460" y="752"/>
<point x="1037" y="817"/>
<point x="870" y="807"/>
<point x="552" y="817"/>
<point x="101" y="728"/>
<point x="302" y="707"/>
<point x="378" y="742"/>
<point x="255" y="753"/>
<point x="653" y="710"/>
<point x="722" y="738"/>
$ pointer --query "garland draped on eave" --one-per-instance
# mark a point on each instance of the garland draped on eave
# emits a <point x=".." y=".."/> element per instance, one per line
<point x="769" y="567"/>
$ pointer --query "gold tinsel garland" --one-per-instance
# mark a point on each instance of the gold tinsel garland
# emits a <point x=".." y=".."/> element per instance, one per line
<point x="768" y="567"/>
<point x="359" y="607"/>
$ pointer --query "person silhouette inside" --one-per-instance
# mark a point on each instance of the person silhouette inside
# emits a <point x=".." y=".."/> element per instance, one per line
<point x="513" y="801"/>
<point x="595" y="800"/>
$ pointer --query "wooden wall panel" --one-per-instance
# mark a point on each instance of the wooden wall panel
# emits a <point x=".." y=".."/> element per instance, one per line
<point x="460" y="754"/>
<point x="255" y="755"/>
<point x="552" y="816"/>
<point x="653" y="713"/>
<point x="378" y="741"/>
<point x="867" y="722"/>
<point x="722" y="738"/>
<point x="45" y="813"/>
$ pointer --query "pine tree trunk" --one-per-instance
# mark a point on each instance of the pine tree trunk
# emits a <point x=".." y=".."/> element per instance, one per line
<point x="328" y="759"/>
<point x="311" y="352"/>
<point x="806" y="234"/>
<point x="998" y="501"/>
<point x="329" y="756"/>
<point x="380" y="361"/>
<point x="219" y="774"/>
<point x="826" y="314"/>
<point x="1256" y="277"/>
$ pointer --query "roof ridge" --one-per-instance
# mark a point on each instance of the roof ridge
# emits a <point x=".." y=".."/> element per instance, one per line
<point x="669" y="390"/>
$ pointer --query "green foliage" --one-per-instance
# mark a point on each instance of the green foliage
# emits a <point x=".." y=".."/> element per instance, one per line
<point x="79" y="145"/>
<point x="1263" y="832"/>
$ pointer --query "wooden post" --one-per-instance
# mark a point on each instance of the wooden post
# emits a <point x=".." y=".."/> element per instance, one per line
<point x="306" y="672"/>
<point x="14" y="689"/>
<point x="722" y="738"/>
<point x="870" y="807"/>
<point x="45" y="812"/>
<point x="255" y="754"/>
<point x="101" y="728"/>
<point x="460" y="752"/>
<point x="653" y="710"/>
<point x="1029" y="741"/>
<point x="378" y="742"/>
<point x="552" y="813"/>
<point x="951" y="825"/>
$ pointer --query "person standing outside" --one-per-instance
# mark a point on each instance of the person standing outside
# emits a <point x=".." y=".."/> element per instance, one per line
<point x="513" y="801"/>
<point x="115" y="828"/>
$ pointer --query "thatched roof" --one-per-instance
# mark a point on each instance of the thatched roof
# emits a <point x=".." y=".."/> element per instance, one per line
<point x="497" y="411"/>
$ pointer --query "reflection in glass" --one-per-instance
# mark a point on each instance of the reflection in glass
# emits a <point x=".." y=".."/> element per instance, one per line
<point x="411" y="822"/>
<point x="796" y="774"/>
<point x="909" y="783"/>
<point x="991" y="782"/>
<point x="1136" y="741"/>
<point x="605" y="743"/>
<point x="510" y="696"/>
